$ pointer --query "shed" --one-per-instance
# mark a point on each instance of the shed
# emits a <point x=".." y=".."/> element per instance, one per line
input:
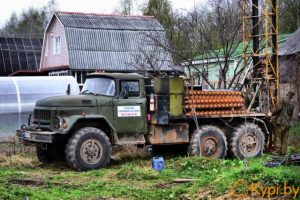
<point x="19" y="54"/>
<point x="77" y="43"/>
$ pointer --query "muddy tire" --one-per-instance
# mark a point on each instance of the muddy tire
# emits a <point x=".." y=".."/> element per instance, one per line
<point x="208" y="141"/>
<point x="89" y="148"/>
<point x="247" y="141"/>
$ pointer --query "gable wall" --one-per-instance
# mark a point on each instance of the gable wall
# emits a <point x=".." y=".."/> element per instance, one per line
<point x="51" y="60"/>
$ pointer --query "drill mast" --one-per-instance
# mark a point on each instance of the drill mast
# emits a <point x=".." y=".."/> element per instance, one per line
<point x="260" y="44"/>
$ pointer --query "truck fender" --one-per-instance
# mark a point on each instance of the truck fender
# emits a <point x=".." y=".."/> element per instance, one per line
<point x="74" y="120"/>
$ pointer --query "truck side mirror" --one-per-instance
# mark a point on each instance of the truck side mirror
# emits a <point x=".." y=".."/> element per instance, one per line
<point x="124" y="93"/>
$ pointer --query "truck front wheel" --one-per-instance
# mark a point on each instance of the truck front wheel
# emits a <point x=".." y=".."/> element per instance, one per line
<point x="247" y="141"/>
<point x="208" y="141"/>
<point x="89" y="148"/>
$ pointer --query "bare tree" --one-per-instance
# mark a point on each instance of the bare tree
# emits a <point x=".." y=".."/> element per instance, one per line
<point x="152" y="54"/>
<point x="217" y="28"/>
<point x="126" y="6"/>
<point x="289" y="15"/>
<point x="214" y="32"/>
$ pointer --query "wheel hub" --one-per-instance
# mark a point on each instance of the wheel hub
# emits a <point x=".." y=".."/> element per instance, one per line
<point x="91" y="151"/>
<point x="209" y="147"/>
<point x="249" y="143"/>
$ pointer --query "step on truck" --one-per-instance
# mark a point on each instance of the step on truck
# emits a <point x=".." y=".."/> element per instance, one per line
<point x="120" y="109"/>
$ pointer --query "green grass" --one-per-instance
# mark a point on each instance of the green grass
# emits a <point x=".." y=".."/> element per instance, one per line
<point x="294" y="138"/>
<point x="136" y="180"/>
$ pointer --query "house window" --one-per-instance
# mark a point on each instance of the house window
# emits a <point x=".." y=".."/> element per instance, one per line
<point x="56" y="45"/>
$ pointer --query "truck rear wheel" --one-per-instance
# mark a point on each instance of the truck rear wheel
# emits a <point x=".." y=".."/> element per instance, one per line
<point x="89" y="148"/>
<point x="247" y="141"/>
<point x="208" y="141"/>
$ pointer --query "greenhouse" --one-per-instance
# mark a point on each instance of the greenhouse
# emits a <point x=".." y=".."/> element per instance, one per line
<point x="19" y="94"/>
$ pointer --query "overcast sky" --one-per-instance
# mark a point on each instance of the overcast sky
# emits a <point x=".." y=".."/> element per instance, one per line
<point x="95" y="6"/>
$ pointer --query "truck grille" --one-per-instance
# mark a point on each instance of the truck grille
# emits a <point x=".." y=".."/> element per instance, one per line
<point x="42" y="118"/>
<point x="42" y="115"/>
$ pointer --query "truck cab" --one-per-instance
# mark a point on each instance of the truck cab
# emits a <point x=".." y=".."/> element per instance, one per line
<point x="111" y="110"/>
<point x="121" y="100"/>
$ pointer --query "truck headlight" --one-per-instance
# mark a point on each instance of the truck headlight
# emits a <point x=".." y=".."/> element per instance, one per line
<point x="58" y="123"/>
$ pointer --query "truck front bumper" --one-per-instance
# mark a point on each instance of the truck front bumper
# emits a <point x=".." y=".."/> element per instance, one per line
<point x="29" y="136"/>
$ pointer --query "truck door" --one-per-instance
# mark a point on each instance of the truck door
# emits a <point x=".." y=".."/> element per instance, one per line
<point x="130" y="109"/>
<point x="130" y="112"/>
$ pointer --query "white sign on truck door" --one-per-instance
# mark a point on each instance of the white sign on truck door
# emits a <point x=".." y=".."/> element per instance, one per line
<point x="129" y="111"/>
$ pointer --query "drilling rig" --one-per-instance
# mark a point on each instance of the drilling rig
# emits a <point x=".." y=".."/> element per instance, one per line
<point x="260" y="47"/>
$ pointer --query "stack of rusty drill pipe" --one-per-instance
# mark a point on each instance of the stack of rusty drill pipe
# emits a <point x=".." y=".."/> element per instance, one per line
<point x="218" y="112"/>
<point x="201" y="100"/>
<point x="221" y="105"/>
<point x="213" y="93"/>
<point x="214" y="103"/>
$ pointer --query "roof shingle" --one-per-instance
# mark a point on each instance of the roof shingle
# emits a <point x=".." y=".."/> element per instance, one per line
<point x="101" y="21"/>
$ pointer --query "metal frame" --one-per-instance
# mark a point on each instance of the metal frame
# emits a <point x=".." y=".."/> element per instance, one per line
<point x="260" y="30"/>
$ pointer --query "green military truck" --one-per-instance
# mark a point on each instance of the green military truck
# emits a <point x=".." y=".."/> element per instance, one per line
<point x="120" y="109"/>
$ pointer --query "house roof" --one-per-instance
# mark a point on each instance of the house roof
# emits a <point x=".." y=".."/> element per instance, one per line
<point x="19" y="54"/>
<point x="104" y="21"/>
<point x="291" y="45"/>
<point x="116" y="75"/>
<point x="112" y="42"/>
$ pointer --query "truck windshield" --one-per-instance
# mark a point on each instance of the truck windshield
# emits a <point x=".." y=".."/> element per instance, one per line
<point x="99" y="86"/>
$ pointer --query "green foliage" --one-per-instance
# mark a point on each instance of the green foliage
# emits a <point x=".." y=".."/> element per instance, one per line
<point x="30" y="23"/>
<point x="295" y="130"/>
<point x="161" y="10"/>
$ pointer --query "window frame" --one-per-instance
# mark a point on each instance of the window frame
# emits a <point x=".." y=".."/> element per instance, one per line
<point x="56" y="44"/>
<point x="138" y="94"/>
<point x="98" y="94"/>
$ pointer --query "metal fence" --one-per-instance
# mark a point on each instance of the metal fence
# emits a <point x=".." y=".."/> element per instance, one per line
<point x="10" y="145"/>
<point x="10" y="122"/>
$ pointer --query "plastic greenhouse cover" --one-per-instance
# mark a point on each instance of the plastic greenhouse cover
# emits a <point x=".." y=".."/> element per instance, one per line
<point x="19" y="94"/>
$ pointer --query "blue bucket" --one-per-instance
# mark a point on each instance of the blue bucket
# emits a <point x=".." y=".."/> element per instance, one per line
<point x="158" y="163"/>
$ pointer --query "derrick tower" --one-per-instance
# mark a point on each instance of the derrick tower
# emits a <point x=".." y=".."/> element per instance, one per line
<point x="260" y="49"/>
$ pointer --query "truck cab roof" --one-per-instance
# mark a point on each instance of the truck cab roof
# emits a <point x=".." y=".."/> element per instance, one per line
<point x="116" y="75"/>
